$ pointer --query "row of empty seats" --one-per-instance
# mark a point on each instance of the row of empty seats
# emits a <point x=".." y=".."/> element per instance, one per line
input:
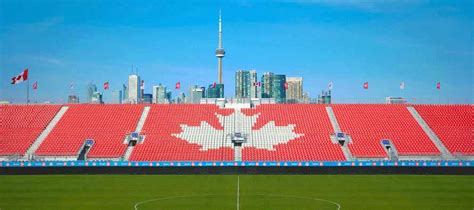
<point x="21" y="125"/>
<point x="276" y="132"/>
<point x="369" y="124"/>
<point x="107" y="125"/>
<point x="453" y="124"/>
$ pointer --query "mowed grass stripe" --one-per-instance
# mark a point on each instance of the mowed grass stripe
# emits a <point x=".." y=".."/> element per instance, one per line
<point x="124" y="191"/>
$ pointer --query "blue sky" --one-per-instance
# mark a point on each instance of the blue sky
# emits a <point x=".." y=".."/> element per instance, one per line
<point x="347" y="42"/>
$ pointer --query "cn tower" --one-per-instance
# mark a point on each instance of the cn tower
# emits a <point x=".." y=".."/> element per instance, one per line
<point x="220" y="51"/>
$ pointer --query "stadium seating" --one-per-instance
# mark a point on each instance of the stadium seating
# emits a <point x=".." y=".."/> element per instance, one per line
<point x="21" y="125"/>
<point x="453" y="124"/>
<point x="311" y="121"/>
<point x="164" y="121"/>
<point x="197" y="132"/>
<point x="106" y="124"/>
<point x="368" y="124"/>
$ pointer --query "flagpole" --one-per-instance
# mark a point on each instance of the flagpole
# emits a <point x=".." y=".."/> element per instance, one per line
<point x="28" y="92"/>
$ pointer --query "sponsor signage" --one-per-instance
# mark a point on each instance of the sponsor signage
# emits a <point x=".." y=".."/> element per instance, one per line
<point x="443" y="163"/>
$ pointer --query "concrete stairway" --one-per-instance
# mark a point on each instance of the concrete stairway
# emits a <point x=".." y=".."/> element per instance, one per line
<point x="335" y="125"/>
<point x="138" y="129"/>
<point x="434" y="138"/>
<point x="33" y="147"/>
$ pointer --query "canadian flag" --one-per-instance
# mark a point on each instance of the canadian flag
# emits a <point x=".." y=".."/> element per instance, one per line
<point x="366" y="85"/>
<point x="20" y="78"/>
<point x="214" y="85"/>
<point x="257" y="84"/>
<point x="178" y="85"/>
<point x="106" y="85"/>
<point x="286" y="85"/>
<point x="35" y="86"/>
<point x="438" y="85"/>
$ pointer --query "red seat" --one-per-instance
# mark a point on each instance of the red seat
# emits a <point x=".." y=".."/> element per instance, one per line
<point x="20" y="125"/>
<point x="453" y="124"/>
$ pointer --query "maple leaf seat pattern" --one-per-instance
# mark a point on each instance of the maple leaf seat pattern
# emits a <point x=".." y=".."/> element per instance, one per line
<point x="165" y="122"/>
<point x="309" y="122"/>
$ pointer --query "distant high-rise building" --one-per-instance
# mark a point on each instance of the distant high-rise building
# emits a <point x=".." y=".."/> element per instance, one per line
<point x="295" y="89"/>
<point x="215" y="91"/>
<point x="219" y="52"/>
<point x="134" y="92"/>
<point x="325" y="97"/>
<point x="181" y="98"/>
<point x="116" y="96"/>
<point x="91" y="88"/>
<point x="266" y="84"/>
<point x="159" y="94"/>
<point x="195" y="94"/>
<point x="253" y="84"/>
<point x="147" y="98"/>
<point x="245" y="84"/>
<point x="273" y="86"/>
<point x="97" y="98"/>
<point x="124" y="92"/>
<point x="278" y="88"/>
<point x="72" y="99"/>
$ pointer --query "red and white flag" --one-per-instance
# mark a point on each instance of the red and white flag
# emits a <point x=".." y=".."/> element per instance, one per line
<point x="366" y="85"/>
<point x="402" y="86"/>
<point x="214" y="85"/>
<point x="20" y="78"/>
<point x="178" y="85"/>
<point x="438" y="85"/>
<point x="257" y="84"/>
<point x="35" y="86"/>
<point x="286" y="85"/>
<point x="106" y="85"/>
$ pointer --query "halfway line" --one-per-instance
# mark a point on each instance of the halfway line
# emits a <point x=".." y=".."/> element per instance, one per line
<point x="238" y="192"/>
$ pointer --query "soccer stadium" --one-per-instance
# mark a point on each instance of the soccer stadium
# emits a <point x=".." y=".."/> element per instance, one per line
<point x="268" y="146"/>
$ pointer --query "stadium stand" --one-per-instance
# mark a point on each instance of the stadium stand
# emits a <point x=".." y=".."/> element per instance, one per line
<point x="107" y="125"/>
<point x="20" y="126"/>
<point x="453" y="124"/>
<point x="311" y="121"/>
<point x="164" y="121"/>
<point x="200" y="132"/>
<point x="368" y="124"/>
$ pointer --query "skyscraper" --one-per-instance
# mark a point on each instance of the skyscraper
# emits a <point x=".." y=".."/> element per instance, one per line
<point x="195" y="94"/>
<point x="159" y="94"/>
<point x="273" y="86"/>
<point x="219" y="51"/>
<point x="267" y="78"/>
<point x="134" y="93"/>
<point x="278" y="88"/>
<point x="91" y="89"/>
<point x="245" y="84"/>
<point x="116" y="96"/>
<point x="295" y="89"/>
<point x="215" y="91"/>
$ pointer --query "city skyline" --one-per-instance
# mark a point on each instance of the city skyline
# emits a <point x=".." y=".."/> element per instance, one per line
<point x="422" y="44"/>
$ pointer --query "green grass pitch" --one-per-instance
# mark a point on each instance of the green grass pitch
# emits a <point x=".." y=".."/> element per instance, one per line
<point x="219" y="192"/>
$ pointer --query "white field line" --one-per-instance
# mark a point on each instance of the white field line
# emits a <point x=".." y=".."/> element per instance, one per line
<point x="338" y="205"/>
<point x="238" y="192"/>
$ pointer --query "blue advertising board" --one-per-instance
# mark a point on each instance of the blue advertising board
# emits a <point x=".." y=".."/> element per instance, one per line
<point x="412" y="163"/>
